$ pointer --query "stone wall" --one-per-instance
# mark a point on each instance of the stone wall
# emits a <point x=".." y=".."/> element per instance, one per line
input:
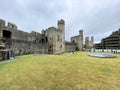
<point x="51" y="40"/>
<point x="2" y="24"/>
<point x="22" y="42"/>
<point x="70" y="46"/>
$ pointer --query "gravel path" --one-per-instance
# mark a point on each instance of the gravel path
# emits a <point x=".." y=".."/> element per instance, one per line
<point x="36" y="55"/>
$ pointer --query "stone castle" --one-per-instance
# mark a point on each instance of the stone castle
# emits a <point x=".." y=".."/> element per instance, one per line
<point x="49" y="41"/>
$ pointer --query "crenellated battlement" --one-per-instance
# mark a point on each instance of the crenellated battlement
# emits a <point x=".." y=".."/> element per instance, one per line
<point x="2" y="22"/>
<point x="61" y="22"/>
<point x="9" y="24"/>
<point x="12" y="25"/>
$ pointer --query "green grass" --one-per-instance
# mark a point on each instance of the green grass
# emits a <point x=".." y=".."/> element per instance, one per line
<point x="61" y="72"/>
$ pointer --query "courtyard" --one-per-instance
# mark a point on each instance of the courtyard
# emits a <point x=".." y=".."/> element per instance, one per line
<point x="67" y="71"/>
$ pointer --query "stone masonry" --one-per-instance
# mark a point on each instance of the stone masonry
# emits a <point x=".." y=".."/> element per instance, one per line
<point x="49" y="41"/>
<point x="78" y="40"/>
<point x="89" y="44"/>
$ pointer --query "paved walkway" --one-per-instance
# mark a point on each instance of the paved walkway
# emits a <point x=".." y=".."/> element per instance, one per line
<point x="36" y="55"/>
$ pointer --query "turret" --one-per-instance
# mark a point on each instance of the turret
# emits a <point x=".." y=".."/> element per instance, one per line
<point x="61" y="24"/>
<point x="92" y="40"/>
<point x="2" y="22"/>
<point x="61" y="27"/>
<point x="12" y="25"/>
<point x="87" y="42"/>
<point x="81" y="34"/>
<point x="81" y="39"/>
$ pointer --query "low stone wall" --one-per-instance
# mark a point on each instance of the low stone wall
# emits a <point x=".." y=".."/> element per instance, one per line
<point x="70" y="47"/>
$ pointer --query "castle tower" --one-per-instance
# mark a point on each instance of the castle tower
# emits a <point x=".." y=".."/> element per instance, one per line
<point x="61" y="26"/>
<point x="92" y="40"/>
<point x="91" y="43"/>
<point x="87" y="42"/>
<point x="80" y="42"/>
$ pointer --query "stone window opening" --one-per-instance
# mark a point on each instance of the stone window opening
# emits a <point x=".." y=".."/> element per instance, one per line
<point x="50" y="47"/>
<point x="46" y="39"/>
<point x="73" y="41"/>
<point x="42" y="40"/>
<point x="58" y="37"/>
<point x="61" y="46"/>
<point x="50" y="38"/>
<point x="61" y="40"/>
<point x="6" y="34"/>
<point x="35" y="40"/>
<point x="39" y="41"/>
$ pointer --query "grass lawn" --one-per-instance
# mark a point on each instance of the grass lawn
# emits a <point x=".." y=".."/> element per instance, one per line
<point x="61" y="72"/>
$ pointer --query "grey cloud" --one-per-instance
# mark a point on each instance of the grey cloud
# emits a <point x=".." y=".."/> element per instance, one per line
<point x="98" y="18"/>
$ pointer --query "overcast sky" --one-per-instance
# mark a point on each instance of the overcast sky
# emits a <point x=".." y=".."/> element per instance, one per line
<point x="96" y="17"/>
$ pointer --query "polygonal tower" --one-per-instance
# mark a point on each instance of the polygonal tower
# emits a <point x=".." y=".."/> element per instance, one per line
<point x="92" y="41"/>
<point x="61" y="24"/>
<point x="81" y="40"/>
<point x="87" y="42"/>
<point x="61" y="27"/>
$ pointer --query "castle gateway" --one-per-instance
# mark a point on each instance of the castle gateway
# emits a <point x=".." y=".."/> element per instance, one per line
<point x="49" y="41"/>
